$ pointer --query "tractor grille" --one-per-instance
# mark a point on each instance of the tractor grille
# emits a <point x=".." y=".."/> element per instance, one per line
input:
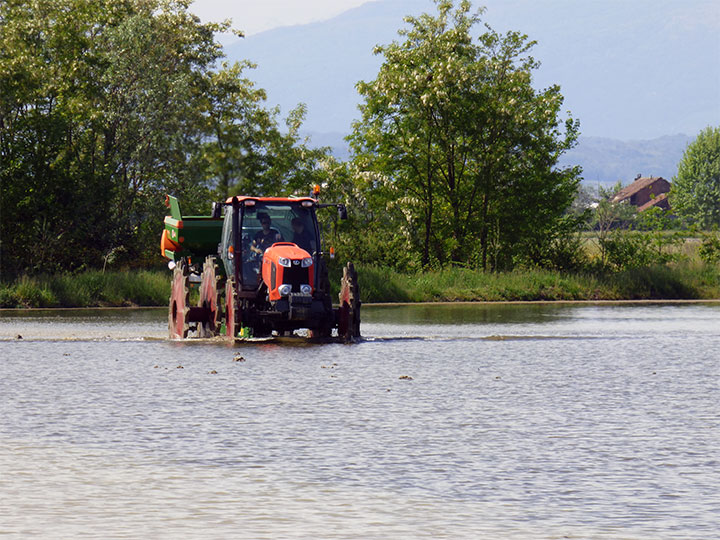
<point x="296" y="276"/>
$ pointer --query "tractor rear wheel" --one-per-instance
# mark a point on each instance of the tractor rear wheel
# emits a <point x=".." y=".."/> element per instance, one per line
<point x="349" y="323"/>
<point x="232" y="320"/>
<point x="325" y="328"/>
<point x="210" y="325"/>
<point x="178" y="313"/>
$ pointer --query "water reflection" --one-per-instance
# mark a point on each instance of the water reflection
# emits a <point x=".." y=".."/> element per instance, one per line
<point x="462" y="313"/>
<point x="72" y="324"/>
<point x="466" y="421"/>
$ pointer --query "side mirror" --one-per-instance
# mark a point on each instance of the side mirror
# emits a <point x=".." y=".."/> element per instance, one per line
<point x="342" y="211"/>
<point x="216" y="210"/>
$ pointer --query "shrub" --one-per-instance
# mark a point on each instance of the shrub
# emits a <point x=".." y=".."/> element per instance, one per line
<point x="624" y="250"/>
<point x="709" y="250"/>
<point x="7" y="297"/>
<point x="31" y="293"/>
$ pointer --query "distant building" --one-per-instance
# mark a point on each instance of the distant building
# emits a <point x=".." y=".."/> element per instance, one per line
<point x="645" y="193"/>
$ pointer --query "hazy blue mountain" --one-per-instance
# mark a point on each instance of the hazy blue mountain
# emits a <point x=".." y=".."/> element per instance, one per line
<point x="320" y="63"/>
<point x="635" y="69"/>
<point x="633" y="72"/>
<point x="604" y="161"/>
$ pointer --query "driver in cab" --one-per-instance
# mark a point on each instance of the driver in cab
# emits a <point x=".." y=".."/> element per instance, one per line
<point x="265" y="237"/>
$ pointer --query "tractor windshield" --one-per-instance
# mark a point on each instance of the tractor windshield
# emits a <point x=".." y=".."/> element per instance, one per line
<point x="266" y="223"/>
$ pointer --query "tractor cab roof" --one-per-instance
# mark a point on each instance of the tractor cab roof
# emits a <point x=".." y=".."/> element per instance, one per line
<point x="302" y="200"/>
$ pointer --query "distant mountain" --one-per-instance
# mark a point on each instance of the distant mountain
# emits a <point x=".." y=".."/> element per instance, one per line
<point x="631" y="72"/>
<point x="319" y="63"/>
<point x="604" y="161"/>
<point x="628" y="70"/>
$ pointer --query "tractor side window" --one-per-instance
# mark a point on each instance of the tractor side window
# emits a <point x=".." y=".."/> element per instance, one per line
<point x="303" y="231"/>
<point x="226" y="243"/>
<point x="250" y="258"/>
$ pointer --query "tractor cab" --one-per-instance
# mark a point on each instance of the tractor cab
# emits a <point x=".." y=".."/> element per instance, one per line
<point x="272" y="255"/>
<point x="277" y="236"/>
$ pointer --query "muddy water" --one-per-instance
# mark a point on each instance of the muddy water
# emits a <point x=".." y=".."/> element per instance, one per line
<point x="461" y="421"/>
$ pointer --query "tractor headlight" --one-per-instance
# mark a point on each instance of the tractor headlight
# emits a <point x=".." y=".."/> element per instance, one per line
<point x="284" y="261"/>
<point x="305" y="289"/>
<point x="285" y="289"/>
<point x="306" y="262"/>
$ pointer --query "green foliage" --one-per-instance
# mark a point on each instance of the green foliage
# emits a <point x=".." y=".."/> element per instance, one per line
<point x="559" y="247"/>
<point x="105" y="107"/>
<point x="677" y="281"/>
<point x="466" y="148"/>
<point x="609" y="215"/>
<point x="583" y="203"/>
<point x="709" y="250"/>
<point x="463" y="284"/>
<point x="627" y="239"/>
<point x="88" y="289"/>
<point x="29" y="292"/>
<point x="656" y="281"/>
<point x="92" y="95"/>
<point x="376" y="245"/>
<point x="383" y="285"/>
<point x="376" y="231"/>
<point x="695" y="193"/>
<point x="625" y="249"/>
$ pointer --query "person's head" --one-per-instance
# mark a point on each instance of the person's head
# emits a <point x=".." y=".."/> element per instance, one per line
<point x="264" y="220"/>
<point x="297" y="225"/>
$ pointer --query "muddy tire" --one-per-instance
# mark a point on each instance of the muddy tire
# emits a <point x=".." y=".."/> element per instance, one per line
<point x="349" y="311"/>
<point x="178" y="309"/>
<point x="209" y="300"/>
<point x="232" y="317"/>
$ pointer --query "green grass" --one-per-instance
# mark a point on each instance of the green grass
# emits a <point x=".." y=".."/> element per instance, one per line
<point x="88" y="289"/>
<point x="680" y="281"/>
<point x="686" y="280"/>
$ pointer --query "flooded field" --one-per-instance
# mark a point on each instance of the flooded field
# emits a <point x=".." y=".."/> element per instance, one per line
<point x="457" y="421"/>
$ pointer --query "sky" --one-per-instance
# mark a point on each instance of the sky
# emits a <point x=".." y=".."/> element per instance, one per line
<point x="255" y="16"/>
<point x="639" y="69"/>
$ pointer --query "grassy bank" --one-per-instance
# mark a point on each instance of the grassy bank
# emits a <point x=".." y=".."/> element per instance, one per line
<point x="681" y="281"/>
<point x="88" y="289"/>
<point x="688" y="280"/>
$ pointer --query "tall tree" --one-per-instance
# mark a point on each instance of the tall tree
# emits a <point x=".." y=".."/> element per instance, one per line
<point x="695" y="192"/>
<point x="107" y="105"/>
<point x="98" y="112"/>
<point x="458" y="128"/>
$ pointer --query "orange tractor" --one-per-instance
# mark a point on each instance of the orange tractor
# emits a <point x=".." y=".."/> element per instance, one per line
<point x="258" y="262"/>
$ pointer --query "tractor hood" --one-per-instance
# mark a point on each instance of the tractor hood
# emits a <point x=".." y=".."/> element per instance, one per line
<point x="286" y="250"/>
<point x="287" y="269"/>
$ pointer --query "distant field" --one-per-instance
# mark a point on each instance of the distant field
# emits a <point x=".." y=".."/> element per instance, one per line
<point x="688" y="248"/>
